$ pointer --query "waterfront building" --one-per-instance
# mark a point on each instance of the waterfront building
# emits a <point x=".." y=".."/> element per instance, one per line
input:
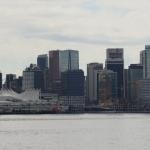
<point x="33" y="78"/>
<point x="72" y="101"/>
<point x="135" y="73"/>
<point x="72" y="82"/>
<point x="49" y="97"/>
<point x="91" y="82"/>
<point x="10" y="97"/>
<point x="61" y="61"/>
<point x="107" y="87"/>
<point x="115" y="62"/>
<point x="144" y="91"/>
<point x="42" y="61"/>
<point x="145" y="61"/>
<point x="9" y="79"/>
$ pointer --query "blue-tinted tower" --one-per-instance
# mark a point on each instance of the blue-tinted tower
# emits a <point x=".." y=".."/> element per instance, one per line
<point x="115" y="62"/>
<point x="42" y="62"/>
<point x="73" y="83"/>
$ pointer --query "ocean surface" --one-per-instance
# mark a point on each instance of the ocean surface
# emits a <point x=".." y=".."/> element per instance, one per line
<point x="75" y="132"/>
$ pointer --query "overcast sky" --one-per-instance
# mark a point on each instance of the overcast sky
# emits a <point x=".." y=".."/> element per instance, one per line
<point x="32" y="27"/>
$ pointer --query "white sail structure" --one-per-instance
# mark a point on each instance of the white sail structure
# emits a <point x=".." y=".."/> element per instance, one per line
<point x="28" y="95"/>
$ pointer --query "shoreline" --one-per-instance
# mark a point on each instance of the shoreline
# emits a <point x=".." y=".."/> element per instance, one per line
<point x="75" y="113"/>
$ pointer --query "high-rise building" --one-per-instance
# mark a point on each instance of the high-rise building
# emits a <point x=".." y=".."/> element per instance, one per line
<point x="107" y="87"/>
<point x="144" y="91"/>
<point x="42" y="62"/>
<point x="16" y="84"/>
<point x="1" y="80"/>
<point x="145" y="61"/>
<point x="68" y="60"/>
<point x="9" y="79"/>
<point x="135" y="73"/>
<point x="115" y="62"/>
<point x="126" y="85"/>
<point x="73" y="83"/>
<point x="61" y="61"/>
<point x="46" y="76"/>
<point x="91" y="82"/>
<point x="141" y="58"/>
<point x="33" y="78"/>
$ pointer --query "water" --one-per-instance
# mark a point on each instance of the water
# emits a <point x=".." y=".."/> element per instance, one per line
<point x="75" y="132"/>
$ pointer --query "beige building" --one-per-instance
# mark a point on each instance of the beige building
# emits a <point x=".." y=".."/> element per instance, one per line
<point x="91" y="81"/>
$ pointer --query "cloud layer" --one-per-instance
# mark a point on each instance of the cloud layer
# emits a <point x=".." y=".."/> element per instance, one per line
<point x="32" y="27"/>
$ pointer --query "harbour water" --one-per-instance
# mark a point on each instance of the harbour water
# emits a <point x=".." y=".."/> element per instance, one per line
<point x="75" y="132"/>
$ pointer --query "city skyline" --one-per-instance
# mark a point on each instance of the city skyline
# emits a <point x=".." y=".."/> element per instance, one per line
<point x="74" y="74"/>
<point x="84" y="68"/>
<point x="88" y="26"/>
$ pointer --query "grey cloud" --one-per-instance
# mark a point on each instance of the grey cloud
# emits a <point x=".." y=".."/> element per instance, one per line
<point x="87" y="24"/>
<point x="97" y="39"/>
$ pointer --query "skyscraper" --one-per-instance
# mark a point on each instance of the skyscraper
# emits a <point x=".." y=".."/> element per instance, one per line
<point x="33" y="78"/>
<point x="115" y="62"/>
<point x="107" y="87"/>
<point x="1" y="83"/>
<point x="126" y="85"/>
<point x="91" y="82"/>
<point x="135" y="73"/>
<point x="144" y="91"/>
<point x="16" y="84"/>
<point x="68" y="60"/>
<point x="73" y="83"/>
<point x="145" y="61"/>
<point x="9" y="79"/>
<point x="42" y="61"/>
<point x="61" y="61"/>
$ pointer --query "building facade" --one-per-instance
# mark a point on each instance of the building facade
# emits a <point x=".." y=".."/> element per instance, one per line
<point x="135" y="73"/>
<point x="1" y="80"/>
<point x="33" y="78"/>
<point x="42" y="61"/>
<point x="126" y="85"/>
<point x="16" y="84"/>
<point x="73" y="83"/>
<point x="144" y="91"/>
<point x="9" y="79"/>
<point x="68" y="60"/>
<point x="115" y="62"/>
<point x="61" y="61"/>
<point x="91" y="82"/>
<point x="145" y="61"/>
<point x="107" y="87"/>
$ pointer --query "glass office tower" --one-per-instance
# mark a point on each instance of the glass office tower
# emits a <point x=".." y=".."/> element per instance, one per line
<point x="61" y="61"/>
<point x="145" y="61"/>
<point x="42" y="61"/>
